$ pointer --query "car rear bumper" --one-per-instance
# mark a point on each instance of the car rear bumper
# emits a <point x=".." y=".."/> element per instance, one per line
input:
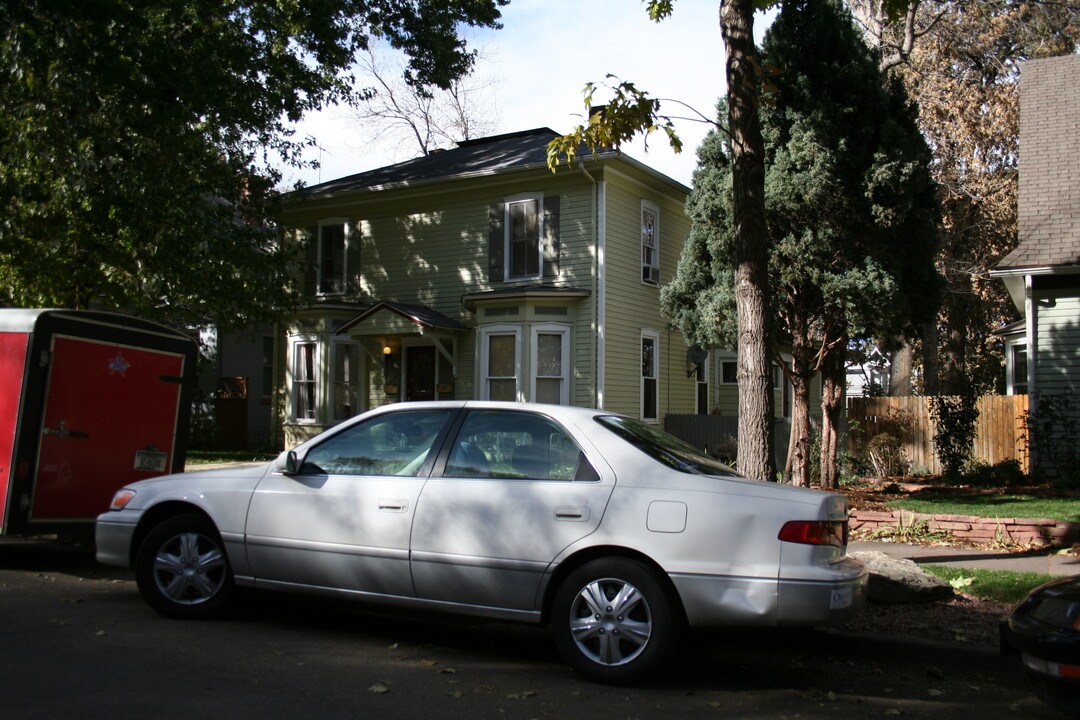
<point x="711" y="601"/>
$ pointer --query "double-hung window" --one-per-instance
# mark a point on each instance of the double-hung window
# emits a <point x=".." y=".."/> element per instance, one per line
<point x="650" y="386"/>
<point x="524" y="233"/>
<point x="500" y="362"/>
<point x="550" y="363"/>
<point x="346" y="388"/>
<point x="305" y="386"/>
<point x="701" y="384"/>
<point x="650" y="243"/>
<point x="333" y="250"/>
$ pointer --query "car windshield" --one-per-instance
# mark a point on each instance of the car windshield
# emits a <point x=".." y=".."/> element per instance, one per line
<point x="664" y="448"/>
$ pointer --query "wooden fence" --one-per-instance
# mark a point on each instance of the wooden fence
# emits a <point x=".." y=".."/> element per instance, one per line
<point x="1000" y="434"/>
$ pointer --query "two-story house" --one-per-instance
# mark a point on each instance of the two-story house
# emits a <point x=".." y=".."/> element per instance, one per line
<point x="476" y="272"/>
<point x="1043" y="273"/>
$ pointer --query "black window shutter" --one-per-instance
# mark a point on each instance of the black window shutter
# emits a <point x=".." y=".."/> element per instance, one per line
<point x="496" y="242"/>
<point x="551" y="236"/>
<point x="309" y="236"/>
<point x="352" y="259"/>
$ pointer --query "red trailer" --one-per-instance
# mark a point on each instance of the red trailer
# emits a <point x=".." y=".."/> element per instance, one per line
<point x="90" y="401"/>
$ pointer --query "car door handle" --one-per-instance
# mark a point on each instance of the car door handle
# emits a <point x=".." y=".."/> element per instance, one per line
<point x="393" y="505"/>
<point x="573" y="514"/>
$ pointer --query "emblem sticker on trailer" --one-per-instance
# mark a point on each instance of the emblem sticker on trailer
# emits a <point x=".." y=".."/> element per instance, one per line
<point x="150" y="460"/>
<point x="118" y="365"/>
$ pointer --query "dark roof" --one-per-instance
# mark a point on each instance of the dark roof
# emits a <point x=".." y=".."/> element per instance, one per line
<point x="519" y="150"/>
<point x="417" y="314"/>
<point x="1042" y="253"/>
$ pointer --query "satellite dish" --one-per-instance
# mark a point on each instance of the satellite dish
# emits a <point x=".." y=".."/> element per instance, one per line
<point x="696" y="355"/>
<point x="695" y="358"/>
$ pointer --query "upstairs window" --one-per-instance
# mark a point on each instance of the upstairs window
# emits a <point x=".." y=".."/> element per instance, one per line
<point x="523" y="233"/>
<point x="333" y="249"/>
<point x="650" y="243"/>
<point x="523" y="238"/>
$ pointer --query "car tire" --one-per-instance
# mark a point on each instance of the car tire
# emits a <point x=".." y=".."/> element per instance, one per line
<point x="182" y="570"/>
<point x="614" y="621"/>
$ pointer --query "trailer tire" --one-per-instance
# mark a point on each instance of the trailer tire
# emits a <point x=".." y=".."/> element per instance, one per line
<point x="182" y="570"/>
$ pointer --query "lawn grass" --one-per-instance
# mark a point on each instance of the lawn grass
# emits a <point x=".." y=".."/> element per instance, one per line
<point x="1005" y="586"/>
<point x="992" y="506"/>
<point x="203" y="457"/>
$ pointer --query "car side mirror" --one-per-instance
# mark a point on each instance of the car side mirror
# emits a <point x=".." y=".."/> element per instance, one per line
<point x="287" y="463"/>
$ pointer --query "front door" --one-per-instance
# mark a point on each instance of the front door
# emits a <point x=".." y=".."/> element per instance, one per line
<point x="420" y="372"/>
<point x="343" y="520"/>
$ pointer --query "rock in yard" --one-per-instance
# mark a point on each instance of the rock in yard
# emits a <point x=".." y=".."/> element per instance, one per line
<point x="899" y="580"/>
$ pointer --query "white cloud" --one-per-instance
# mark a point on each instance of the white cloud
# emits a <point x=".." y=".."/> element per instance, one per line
<point x="543" y="57"/>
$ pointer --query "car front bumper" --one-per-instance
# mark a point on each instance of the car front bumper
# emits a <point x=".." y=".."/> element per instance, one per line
<point x="112" y="538"/>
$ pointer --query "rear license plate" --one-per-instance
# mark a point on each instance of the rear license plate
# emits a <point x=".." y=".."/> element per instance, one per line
<point x="841" y="598"/>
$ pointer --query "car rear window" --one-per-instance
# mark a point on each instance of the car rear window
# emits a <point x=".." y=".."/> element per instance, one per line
<point x="663" y="448"/>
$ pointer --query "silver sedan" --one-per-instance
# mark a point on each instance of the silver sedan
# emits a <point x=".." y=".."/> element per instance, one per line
<point x="611" y="532"/>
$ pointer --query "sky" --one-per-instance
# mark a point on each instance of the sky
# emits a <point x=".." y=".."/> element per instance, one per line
<point x="539" y="63"/>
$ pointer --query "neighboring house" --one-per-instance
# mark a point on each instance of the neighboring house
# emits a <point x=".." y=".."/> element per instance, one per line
<point x="868" y="376"/>
<point x="1043" y="273"/>
<point x="478" y="273"/>
<point x="236" y="385"/>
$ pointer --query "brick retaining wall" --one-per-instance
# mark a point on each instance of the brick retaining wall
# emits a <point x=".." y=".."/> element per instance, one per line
<point x="1020" y="531"/>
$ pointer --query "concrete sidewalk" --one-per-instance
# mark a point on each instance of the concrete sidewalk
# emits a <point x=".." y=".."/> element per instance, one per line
<point x="1047" y="562"/>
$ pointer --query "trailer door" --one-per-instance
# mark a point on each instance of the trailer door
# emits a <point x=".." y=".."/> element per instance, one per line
<point x="110" y="418"/>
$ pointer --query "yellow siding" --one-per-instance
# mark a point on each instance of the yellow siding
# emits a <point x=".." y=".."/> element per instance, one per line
<point x="633" y="306"/>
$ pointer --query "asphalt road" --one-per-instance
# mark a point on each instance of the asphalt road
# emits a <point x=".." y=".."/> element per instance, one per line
<point x="77" y="641"/>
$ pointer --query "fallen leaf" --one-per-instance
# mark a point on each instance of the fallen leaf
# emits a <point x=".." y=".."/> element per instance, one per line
<point x="429" y="663"/>
<point x="379" y="688"/>
<point x="934" y="692"/>
<point x="447" y="671"/>
<point x="101" y="633"/>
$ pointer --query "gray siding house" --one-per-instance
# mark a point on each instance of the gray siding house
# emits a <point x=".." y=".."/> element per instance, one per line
<point x="1043" y="273"/>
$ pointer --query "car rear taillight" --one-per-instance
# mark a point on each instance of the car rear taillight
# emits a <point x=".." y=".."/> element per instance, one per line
<point x="815" y="532"/>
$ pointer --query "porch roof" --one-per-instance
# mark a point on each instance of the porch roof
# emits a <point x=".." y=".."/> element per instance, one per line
<point x="419" y="315"/>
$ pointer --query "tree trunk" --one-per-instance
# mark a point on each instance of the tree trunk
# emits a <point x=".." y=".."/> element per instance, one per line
<point x="800" y="431"/>
<point x="900" y="362"/>
<point x="833" y="378"/>
<point x="755" y="453"/>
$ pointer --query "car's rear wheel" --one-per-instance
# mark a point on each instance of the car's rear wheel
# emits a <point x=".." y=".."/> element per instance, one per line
<point x="182" y="570"/>
<point x="614" y="621"/>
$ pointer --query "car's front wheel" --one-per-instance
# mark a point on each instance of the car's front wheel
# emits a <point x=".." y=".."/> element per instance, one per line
<point x="613" y="621"/>
<point x="182" y="570"/>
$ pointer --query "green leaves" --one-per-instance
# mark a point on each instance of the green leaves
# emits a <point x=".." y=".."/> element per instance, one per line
<point x="630" y="112"/>
<point x="139" y="141"/>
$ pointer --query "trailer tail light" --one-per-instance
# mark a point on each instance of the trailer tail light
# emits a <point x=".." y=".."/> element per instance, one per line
<point x="815" y="532"/>
<point x="121" y="499"/>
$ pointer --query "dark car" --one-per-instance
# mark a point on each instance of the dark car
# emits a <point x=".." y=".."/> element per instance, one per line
<point x="1044" y="630"/>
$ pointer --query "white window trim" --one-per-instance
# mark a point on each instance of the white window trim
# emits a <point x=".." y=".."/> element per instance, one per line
<point x="360" y="371"/>
<point x="653" y="335"/>
<point x="538" y="198"/>
<point x="328" y="222"/>
<point x="294" y="345"/>
<point x="655" y="266"/>
<point x="551" y="329"/>
<point x="722" y="360"/>
<point x="1011" y="346"/>
<point x="484" y="339"/>
<point x="705" y="367"/>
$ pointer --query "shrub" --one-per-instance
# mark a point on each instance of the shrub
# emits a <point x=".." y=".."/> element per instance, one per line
<point x="955" y="418"/>
<point x="886" y="455"/>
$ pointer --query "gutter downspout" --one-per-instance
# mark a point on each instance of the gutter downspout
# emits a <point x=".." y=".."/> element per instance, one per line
<point x="599" y="220"/>
<point x="1031" y="313"/>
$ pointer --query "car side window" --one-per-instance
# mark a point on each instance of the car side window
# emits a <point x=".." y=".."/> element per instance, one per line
<point x="391" y="444"/>
<point x="507" y="444"/>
